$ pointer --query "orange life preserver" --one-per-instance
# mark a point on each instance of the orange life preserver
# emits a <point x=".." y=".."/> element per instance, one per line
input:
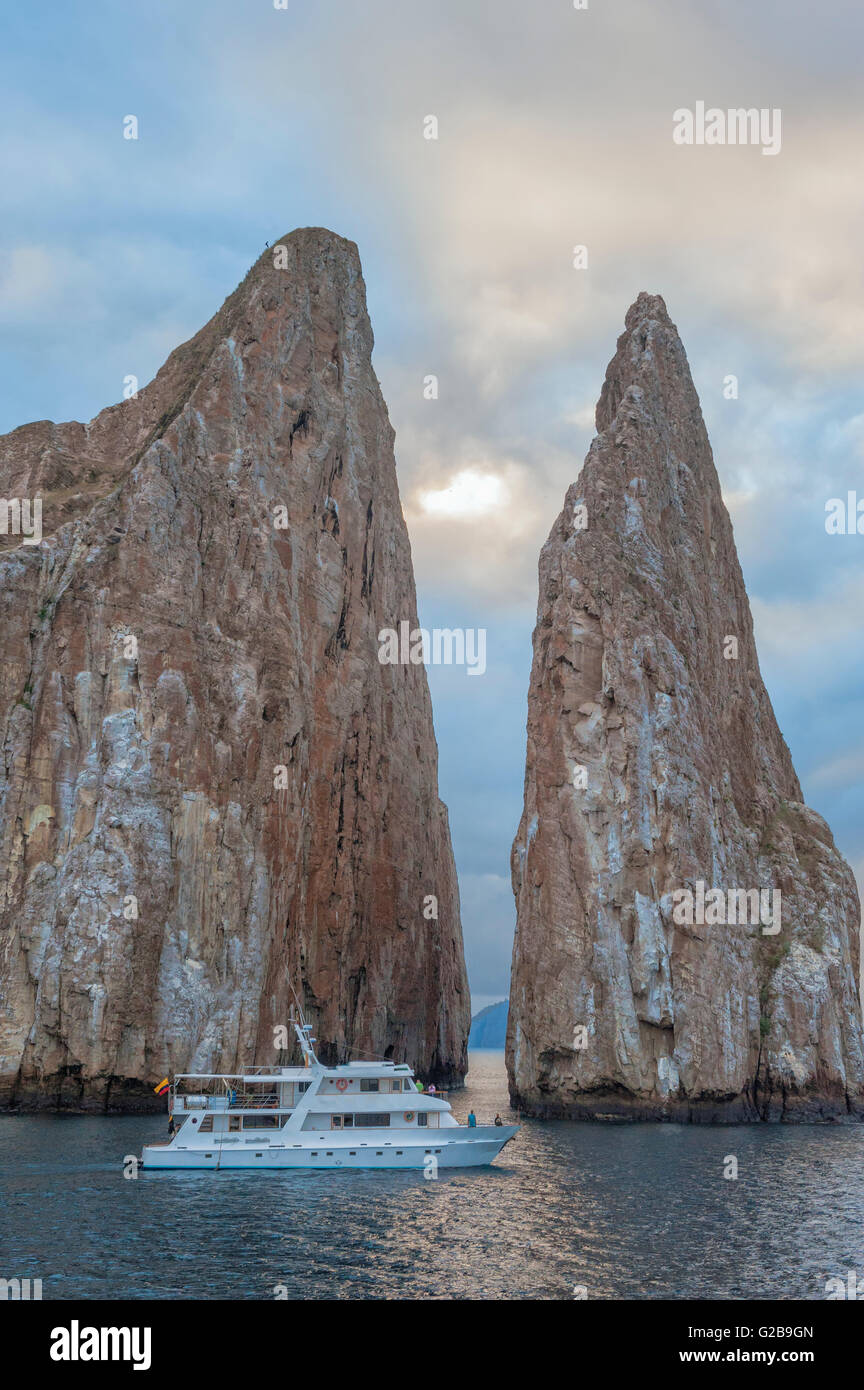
<point x="341" y="1084"/>
<point x="409" y="1116"/>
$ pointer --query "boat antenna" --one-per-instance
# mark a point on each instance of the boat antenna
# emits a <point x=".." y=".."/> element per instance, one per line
<point x="303" y="1031"/>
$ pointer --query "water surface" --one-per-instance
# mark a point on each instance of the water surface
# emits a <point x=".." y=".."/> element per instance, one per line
<point x="628" y="1211"/>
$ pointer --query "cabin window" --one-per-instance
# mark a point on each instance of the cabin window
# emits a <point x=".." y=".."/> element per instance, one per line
<point x="233" y="1123"/>
<point x="347" y="1121"/>
<point x="372" y="1121"/>
<point x="422" y="1117"/>
<point x="260" y="1121"/>
<point x="206" y="1125"/>
<point x="336" y="1121"/>
<point x="303" y="1086"/>
<point x="369" y="1083"/>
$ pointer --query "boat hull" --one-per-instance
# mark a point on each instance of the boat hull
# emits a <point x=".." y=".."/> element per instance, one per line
<point x="471" y="1149"/>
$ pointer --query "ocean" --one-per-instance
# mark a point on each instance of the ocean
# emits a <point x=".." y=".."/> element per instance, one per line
<point x="567" y="1211"/>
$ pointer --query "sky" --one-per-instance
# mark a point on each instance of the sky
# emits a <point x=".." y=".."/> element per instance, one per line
<point x="554" y="130"/>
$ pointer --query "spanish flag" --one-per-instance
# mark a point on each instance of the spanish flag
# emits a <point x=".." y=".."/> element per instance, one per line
<point x="162" y="1087"/>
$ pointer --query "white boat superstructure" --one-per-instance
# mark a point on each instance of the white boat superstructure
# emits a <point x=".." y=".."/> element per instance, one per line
<point x="357" y="1115"/>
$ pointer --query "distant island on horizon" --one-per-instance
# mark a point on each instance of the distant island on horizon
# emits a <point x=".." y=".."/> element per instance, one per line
<point x="489" y="1027"/>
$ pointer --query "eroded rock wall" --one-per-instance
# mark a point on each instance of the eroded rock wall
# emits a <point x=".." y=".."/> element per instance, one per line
<point x="654" y="765"/>
<point x="210" y="788"/>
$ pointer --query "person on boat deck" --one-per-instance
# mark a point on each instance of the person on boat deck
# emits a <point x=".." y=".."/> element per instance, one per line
<point x="419" y="1085"/>
<point x="498" y="1120"/>
<point x="431" y="1089"/>
<point x="472" y="1120"/>
<point x="172" y="1128"/>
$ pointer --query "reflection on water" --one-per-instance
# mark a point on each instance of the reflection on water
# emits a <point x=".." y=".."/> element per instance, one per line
<point x="630" y="1211"/>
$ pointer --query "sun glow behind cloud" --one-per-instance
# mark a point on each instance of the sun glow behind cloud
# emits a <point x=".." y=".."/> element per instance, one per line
<point x="470" y="494"/>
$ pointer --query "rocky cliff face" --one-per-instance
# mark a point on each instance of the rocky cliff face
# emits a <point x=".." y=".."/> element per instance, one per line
<point x="211" y="788"/>
<point x="656" y="782"/>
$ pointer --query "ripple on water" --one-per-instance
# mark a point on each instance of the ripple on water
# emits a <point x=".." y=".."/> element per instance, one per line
<point x="637" y="1211"/>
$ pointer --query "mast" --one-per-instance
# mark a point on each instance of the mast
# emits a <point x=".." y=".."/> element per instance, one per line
<point x="303" y="1031"/>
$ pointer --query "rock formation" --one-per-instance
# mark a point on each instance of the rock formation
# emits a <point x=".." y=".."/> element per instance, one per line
<point x="657" y="781"/>
<point x="212" y="790"/>
<point x="489" y="1027"/>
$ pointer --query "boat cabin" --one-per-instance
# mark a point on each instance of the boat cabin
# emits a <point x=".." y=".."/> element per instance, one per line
<point x="356" y="1095"/>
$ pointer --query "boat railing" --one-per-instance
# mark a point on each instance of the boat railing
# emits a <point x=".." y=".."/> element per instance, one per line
<point x="270" y="1100"/>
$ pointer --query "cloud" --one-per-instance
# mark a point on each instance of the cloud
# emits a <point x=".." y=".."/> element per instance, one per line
<point x="489" y="920"/>
<point x="554" y="130"/>
<point x="469" y="493"/>
<point x="28" y="284"/>
<point x="810" y="643"/>
<point x="842" y="771"/>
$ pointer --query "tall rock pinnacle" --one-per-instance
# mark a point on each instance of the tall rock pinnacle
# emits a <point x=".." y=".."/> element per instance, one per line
<point x="687" y="936"/>
<point x="212" y="791"/>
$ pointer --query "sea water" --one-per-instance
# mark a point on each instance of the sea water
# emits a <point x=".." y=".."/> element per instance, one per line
<point x="568" y="1210"/>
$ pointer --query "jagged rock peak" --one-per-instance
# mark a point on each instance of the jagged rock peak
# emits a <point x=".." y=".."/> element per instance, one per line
<point x="655" y="765"/>
<point x="212" y="790"/>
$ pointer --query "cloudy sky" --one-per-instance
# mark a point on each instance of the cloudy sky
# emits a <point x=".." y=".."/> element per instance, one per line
<point x="554" y="130"/>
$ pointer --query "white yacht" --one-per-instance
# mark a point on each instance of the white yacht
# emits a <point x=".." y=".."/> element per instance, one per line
<point x="358" y="1115"/>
